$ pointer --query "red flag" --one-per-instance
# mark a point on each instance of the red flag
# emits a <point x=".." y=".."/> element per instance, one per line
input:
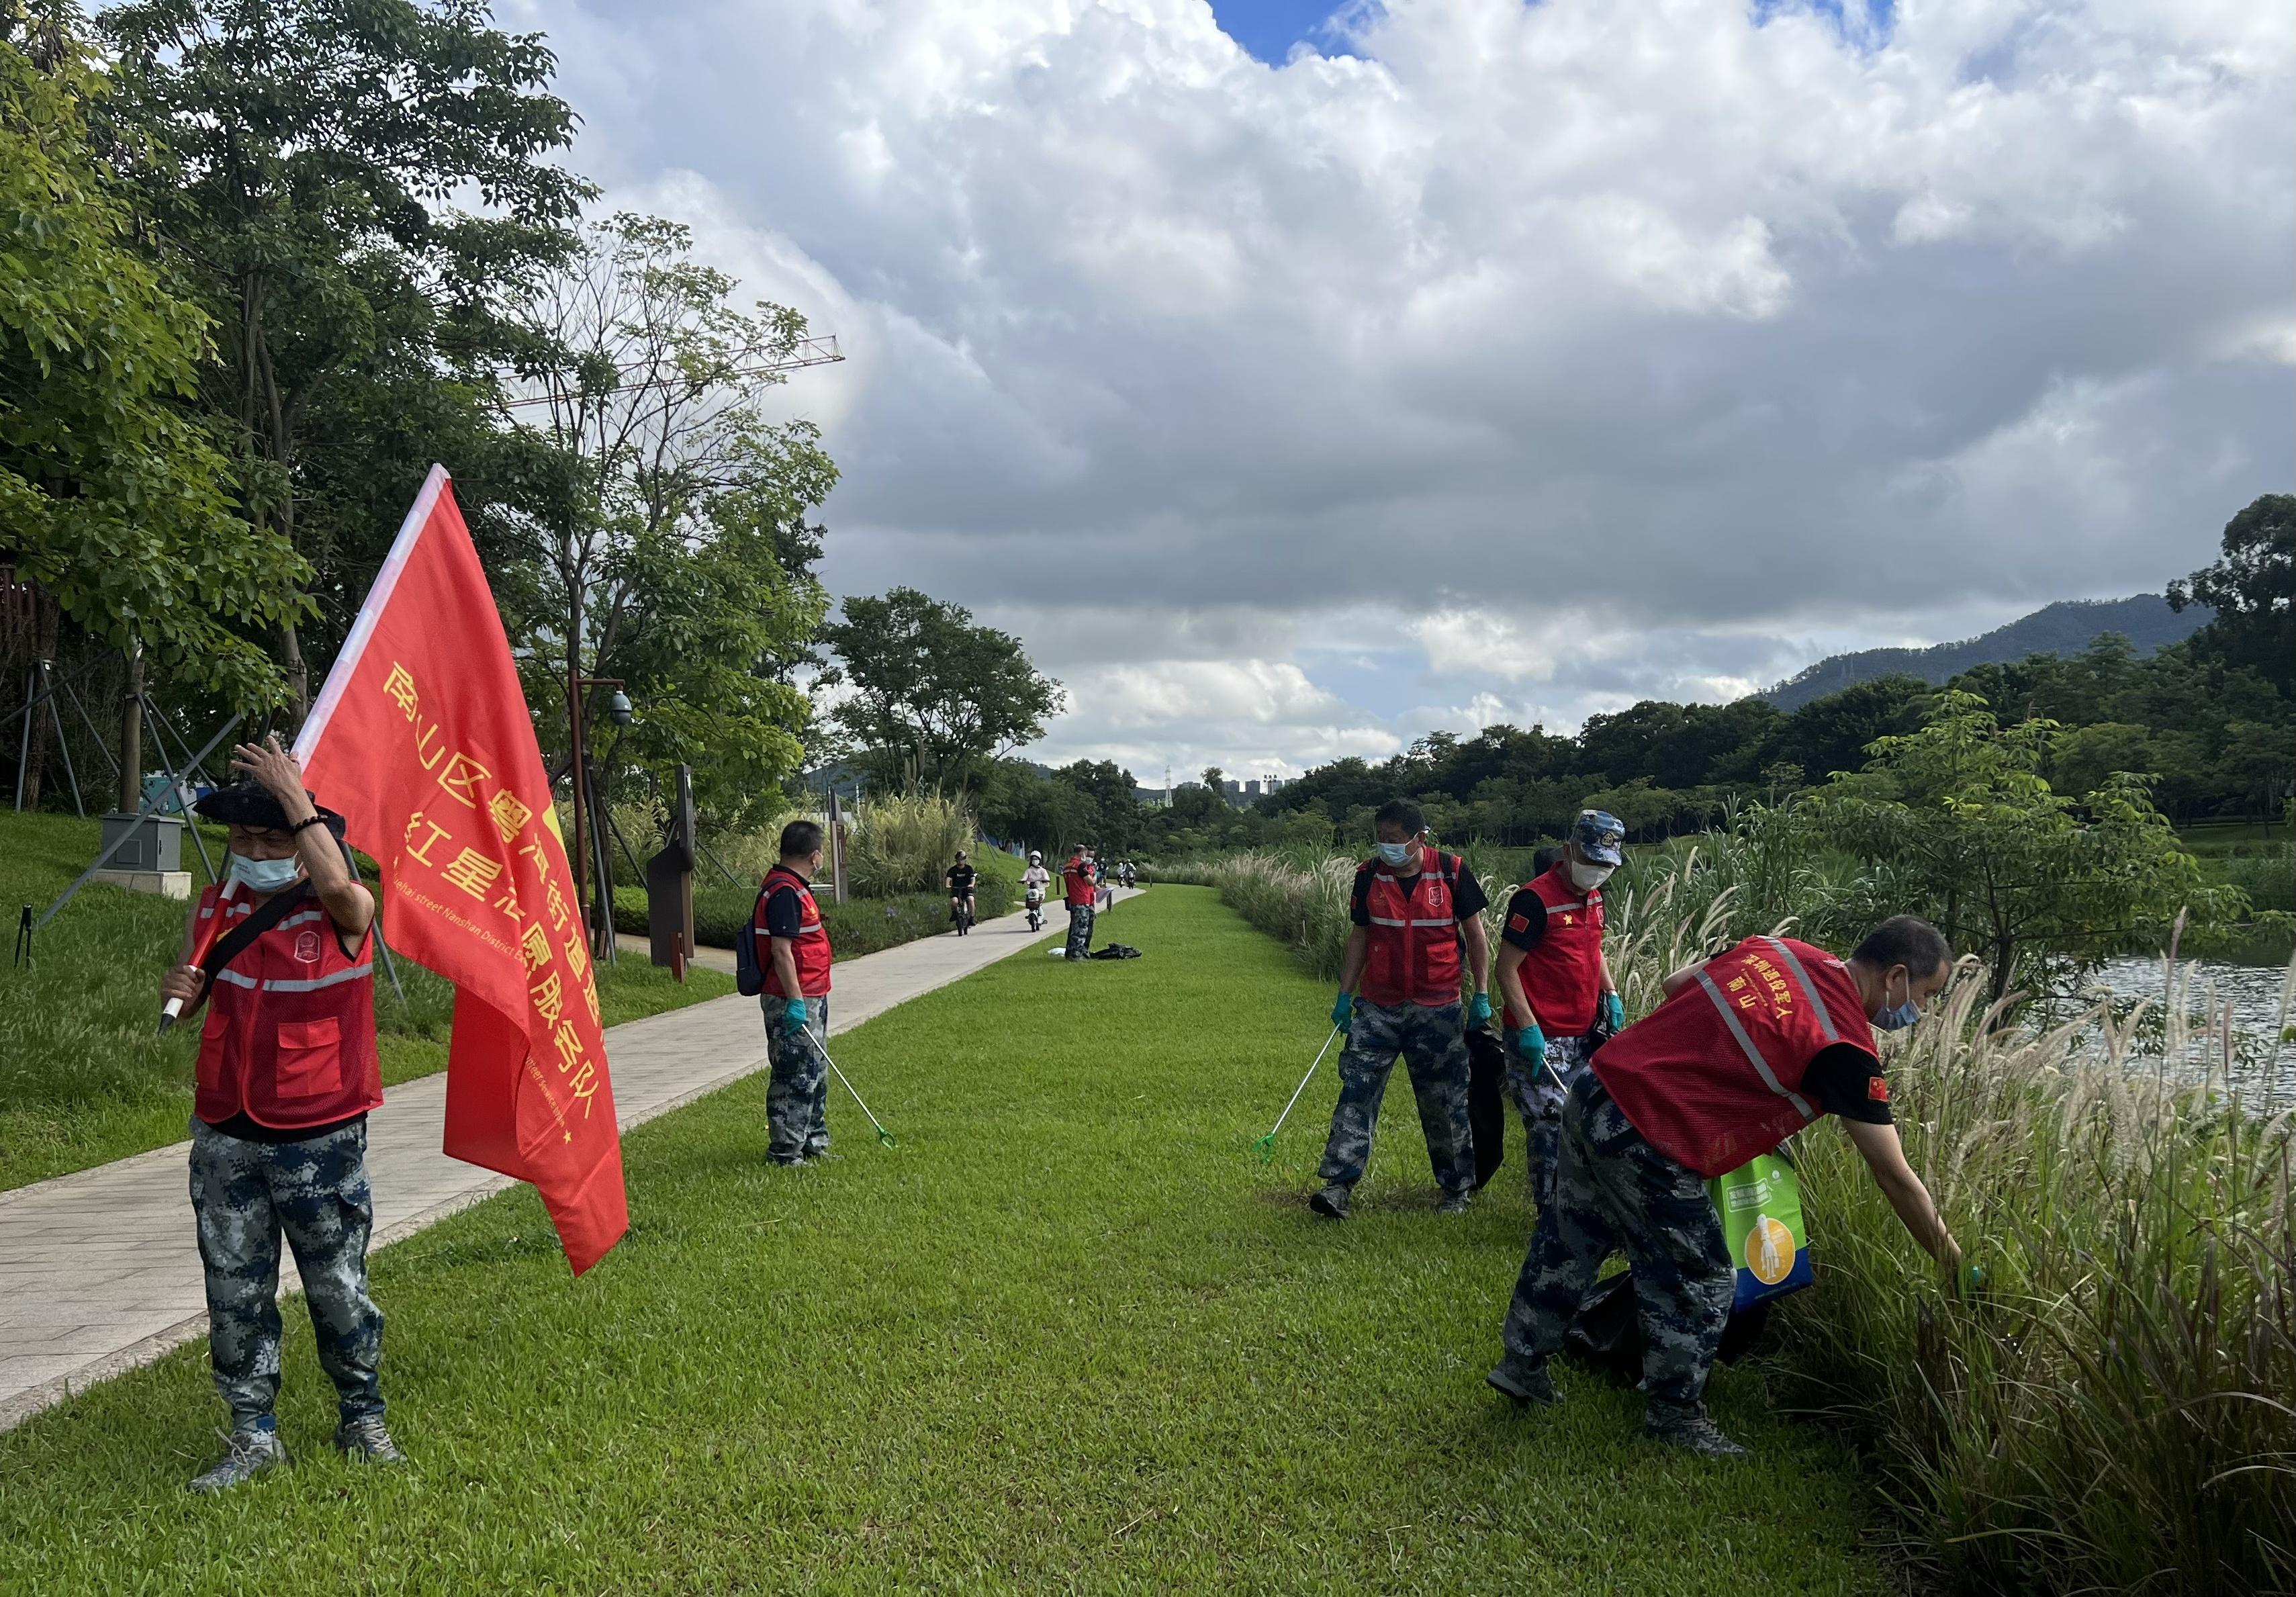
<point x="421" y="739"/>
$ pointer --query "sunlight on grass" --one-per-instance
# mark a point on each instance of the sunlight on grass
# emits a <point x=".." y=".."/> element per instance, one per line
<point x="1070" y="1335"/>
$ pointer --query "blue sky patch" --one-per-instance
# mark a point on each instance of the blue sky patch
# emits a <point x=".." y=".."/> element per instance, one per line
<point x="1268" y="29"/>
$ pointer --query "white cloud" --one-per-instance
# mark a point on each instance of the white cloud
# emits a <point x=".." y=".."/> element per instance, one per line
<point x="1599" y="350"/>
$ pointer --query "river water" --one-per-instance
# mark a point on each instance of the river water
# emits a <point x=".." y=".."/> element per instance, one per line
<point x="2264" y="1067"/>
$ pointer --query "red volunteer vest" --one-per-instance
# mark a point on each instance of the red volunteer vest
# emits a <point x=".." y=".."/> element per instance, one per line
<point x="1712" y="1077"/>
<point x="1563" y="972"/>
<point x="810" y="947"/>
<point x="290" y="1033"/>
<point x="1077" y="885"/>
<point x="1415" y="933"/>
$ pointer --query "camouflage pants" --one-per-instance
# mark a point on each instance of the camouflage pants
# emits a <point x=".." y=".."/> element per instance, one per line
<point x="1434" y="1050"/>
<point x="1540" y="1100"/>
<point x="1613" y="1189"/>
<point x="1080" y="918"/>
<point x="796" y="1095"/>
<point x="243" y="1196"/>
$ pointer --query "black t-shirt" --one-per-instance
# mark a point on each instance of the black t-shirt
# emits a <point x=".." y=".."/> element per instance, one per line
<point x="1846" y="1080"/>
<point x="784" y="910"/>
<point x="1525" y="921"/>
<point x="960" y="878"/>
<point x="1467" y="898"/>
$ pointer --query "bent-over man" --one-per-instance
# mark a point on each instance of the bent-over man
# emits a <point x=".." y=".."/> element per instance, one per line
<point x="1747" y="1049"/>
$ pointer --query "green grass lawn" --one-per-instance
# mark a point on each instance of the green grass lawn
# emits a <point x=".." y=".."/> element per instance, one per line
<point x="1068" y="1336"/>
<point x="85" y="1078"/>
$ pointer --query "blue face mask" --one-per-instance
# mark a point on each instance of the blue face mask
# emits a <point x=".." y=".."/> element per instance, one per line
<point x="1395" y="854"/>
<point x="1900" y="1017"/>
<point x="266" y="875"/>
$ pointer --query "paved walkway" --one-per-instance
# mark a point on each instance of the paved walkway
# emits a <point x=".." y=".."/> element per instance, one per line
<point x="100" y="1271"/>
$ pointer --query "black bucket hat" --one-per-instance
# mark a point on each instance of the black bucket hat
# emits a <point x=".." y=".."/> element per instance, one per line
<point x="251" y="804"/>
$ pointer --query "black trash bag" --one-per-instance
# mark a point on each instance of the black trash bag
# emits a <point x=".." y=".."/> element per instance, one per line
<point x="1486" y="1108"/>
<point x="1115" y="951"/>
<point x="1605" y="1334"/>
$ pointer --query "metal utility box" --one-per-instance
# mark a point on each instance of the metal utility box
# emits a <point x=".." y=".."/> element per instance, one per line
<point x="154" y="842"/>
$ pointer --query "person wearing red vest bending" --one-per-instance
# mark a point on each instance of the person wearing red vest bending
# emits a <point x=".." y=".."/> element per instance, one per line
<point x="281" y="954"/>
<point x="1414" y="908"/>
<point x="1747" y="1049"/>
<point x="795" y="958"/>
<point x="1556" y="984"/>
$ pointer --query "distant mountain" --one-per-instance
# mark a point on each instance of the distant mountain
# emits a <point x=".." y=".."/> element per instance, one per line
<point x="2066" y="627"/>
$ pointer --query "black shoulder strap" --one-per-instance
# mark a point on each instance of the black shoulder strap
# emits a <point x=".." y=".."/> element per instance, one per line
<point x="241" y="937"/>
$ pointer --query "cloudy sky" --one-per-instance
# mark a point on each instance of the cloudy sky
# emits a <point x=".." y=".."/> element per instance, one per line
<point x="1294" y="380"/>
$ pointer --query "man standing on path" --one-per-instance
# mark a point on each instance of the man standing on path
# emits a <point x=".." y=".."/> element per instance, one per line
<point x="795" y="1002"/>
<point x="1081" y="888"/>
<point x="1413" y="906"/>
<point x="1747" y="1049"/>
<point x="1556" y="984"/>
<point x="287" y="1072"/>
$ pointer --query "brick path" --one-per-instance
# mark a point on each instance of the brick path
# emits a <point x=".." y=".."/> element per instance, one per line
<point x="99" y="1272"/>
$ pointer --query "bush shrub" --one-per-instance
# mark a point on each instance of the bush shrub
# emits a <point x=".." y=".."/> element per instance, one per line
<point x="858" y="927"/>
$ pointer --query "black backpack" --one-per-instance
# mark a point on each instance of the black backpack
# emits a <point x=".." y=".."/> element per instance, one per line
<point x="749" y="974"/>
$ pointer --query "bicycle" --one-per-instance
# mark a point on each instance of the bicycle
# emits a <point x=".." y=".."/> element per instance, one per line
<point x="961" y="911"/>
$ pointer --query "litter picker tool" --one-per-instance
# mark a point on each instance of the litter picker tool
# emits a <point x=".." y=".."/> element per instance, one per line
<point x="1266" y="1144"/>
<point x="884" y="1136"/>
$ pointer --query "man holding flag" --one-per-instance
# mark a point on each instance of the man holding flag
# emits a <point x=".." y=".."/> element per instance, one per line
<point x="287" y="1072"/>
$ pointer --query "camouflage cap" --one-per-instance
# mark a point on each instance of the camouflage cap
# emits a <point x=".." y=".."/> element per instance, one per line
<point x="1598" y="834"/>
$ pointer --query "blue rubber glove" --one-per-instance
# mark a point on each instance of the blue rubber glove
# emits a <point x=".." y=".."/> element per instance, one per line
<point x="796" y="1017"/>
<point x="1614" y="1013"/>
<point x="1343" y="1011"/>
<point x="1479" y="1012"/>
<point x="1531" y="1043"/>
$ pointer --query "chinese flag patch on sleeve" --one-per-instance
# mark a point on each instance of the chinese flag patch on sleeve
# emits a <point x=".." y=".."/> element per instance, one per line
<point x="1877" y="1088"/>
<point x="1517" y="922"/>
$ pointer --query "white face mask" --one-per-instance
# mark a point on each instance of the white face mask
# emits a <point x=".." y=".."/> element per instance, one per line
<point x="1587" y="877"/>
<point x="266" y="875"/>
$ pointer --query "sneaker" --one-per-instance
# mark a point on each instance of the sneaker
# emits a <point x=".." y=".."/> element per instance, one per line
<point x="1693" y="1432"/>
<point x="1332" y="1202"/>
<point x="365" y="1440"/>
<point x="1512" y="1377"/>
<point x="248" y="1453"/>
<point x="1453" y="1203"/>
<point x="818" y="1156"/>
<point x="799" y="1163"/>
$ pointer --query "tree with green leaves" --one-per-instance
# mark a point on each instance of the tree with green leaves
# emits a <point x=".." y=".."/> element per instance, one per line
<point x="932" y="695"/>
<point x="677" y="554"/>
<point x="298" y="160"/>
<point x="1966" y="830"/>
<point x="113" y="497"/>
<point x="2252" y="588"/>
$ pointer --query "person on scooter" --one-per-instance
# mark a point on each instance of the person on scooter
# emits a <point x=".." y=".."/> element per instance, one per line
<point x="1036" y="881"/>
<point x="959" y="893"/>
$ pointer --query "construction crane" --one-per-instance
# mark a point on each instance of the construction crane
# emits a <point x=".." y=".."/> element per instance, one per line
<point x="821" y="351"/>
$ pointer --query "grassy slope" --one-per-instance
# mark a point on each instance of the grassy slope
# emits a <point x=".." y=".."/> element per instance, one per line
<point x="83" y="1077"/>
<point x="1067" y="1335"/>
